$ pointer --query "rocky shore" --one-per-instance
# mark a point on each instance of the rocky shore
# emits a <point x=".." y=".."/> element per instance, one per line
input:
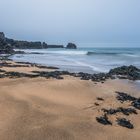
<point x="7" y="45"/>
<point x="124" y="72"/>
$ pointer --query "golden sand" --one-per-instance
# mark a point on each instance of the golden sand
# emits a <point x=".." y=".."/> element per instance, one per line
<point x="50" y="109"/>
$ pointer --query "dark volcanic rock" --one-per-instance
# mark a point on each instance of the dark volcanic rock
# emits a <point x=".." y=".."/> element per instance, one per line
<point x="136" y="103"/>
<point x="128" y="72"/>
<point x="104" y="120"/>
<point x="125" y="111"/>
<point x="53" y="74"/>
<point x="5" y="64"/>
<point x="125" y="123"/>
<point x="1" y="71"/>
<point x="2" y="36"/>
<point x="5" y="48"/>
<point x="124" y="97"/>
<point x="71" y="46"/>
<point x="19" y="75"/>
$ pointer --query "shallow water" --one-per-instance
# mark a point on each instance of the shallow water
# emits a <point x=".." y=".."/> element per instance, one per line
<point x="88" y="60"/>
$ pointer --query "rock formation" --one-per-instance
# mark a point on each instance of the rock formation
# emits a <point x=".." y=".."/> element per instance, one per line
<point x="71" y="46"/>
<point x="31" y="45"/>
<point x="5" y="48"/>
<point x="17" y="44"/>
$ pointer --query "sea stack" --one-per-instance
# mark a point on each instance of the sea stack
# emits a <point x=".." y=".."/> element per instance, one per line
<point x="71" y="46"/>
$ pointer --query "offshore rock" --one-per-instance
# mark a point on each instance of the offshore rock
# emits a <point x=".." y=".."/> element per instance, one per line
<point x="71" y="46"/>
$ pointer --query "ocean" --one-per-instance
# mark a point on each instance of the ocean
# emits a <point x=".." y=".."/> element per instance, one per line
<point x="84" y="59"/>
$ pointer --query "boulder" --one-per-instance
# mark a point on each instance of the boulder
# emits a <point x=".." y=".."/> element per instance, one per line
<point x="129" y="72"/>
<point x="103" y="120"/>
<point x="71" y="46"/>
<point x="125" y="123"/>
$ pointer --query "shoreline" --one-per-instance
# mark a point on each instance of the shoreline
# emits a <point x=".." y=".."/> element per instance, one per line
<point x="66" y="107"/>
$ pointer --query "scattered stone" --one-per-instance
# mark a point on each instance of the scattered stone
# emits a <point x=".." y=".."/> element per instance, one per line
<point x="2" y="75"/>
<point x="125" y="123"/>
<point x="125" y="111"/>
<point x="19" y="75"/>
<point x="45" y="67"/>
<point x="100" y="99"/>
<point x="53" y="74"/>
<point x="96" y="104"/>
<point x="124" y="97"/>
<point x="37" y="65"/>
<point x="136" y="103"/>
<point x="2" y="71"/>
<point x="103" y="120"/>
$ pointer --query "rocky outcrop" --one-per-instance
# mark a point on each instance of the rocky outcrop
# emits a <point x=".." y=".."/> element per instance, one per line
<point x="17" y="44"/>
<point x="31" y="45"/>
<point x="5" y="48"/>
<point x="126" y="72"/>
<point x="2" y="36"/>
<point x="71" y="46"/>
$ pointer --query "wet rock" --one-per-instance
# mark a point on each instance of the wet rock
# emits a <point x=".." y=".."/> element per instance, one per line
<point x="53" y="74"/>
<point x="136" y="103"/>
<point x="125" y="123"/>
<point x="127" y="72"/>
<point x="103" y="120"/>
<point x="125" y="111"/>
<point x="19" y="75"/>
<point x="124" y="97"/>
<point x="24" y="63"/>
<point x="5" y="64"/>
<point x="46" y="67"/>
<point x="37" y="65"/>
<point x="1" y="71"/>
<point x="2" y="76"/>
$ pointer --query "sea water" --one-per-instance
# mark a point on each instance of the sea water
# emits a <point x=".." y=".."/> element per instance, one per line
<point x="84" y="59"/>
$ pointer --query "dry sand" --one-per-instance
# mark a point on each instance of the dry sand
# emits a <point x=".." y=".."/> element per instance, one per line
<point x="41" y="109"/>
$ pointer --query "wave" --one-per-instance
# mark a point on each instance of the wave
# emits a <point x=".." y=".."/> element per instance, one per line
<point x="131" y="55"/>
<point x="88" y="53"/>
<point x="102" y="53"/>
<point x="81" y="52"/>
<point x="67" y="52"/>
<point x="111" y="53"/>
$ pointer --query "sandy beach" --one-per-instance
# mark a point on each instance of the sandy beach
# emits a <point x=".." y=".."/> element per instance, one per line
<point x="51" y="109"/>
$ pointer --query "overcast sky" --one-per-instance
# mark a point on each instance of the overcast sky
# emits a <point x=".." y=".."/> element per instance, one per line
<point x="80" y="21"/>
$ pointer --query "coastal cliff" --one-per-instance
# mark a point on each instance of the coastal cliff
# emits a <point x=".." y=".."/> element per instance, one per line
<point x="31" y="45"/>
<point x="5" y="47"/>
<point x="8" y="45"/>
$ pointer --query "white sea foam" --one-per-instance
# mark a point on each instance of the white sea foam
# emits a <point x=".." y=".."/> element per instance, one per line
<point x="96" y="60"/>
